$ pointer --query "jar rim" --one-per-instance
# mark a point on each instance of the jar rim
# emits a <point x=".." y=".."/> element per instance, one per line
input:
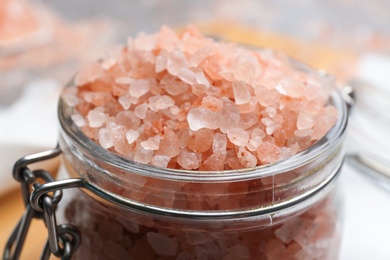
<point x="333" y="137"/>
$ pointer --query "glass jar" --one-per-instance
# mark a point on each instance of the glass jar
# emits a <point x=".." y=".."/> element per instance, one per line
<point x="285" y="210"/>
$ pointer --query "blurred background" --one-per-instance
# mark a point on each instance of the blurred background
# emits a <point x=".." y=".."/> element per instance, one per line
<point x="43" y="43"/>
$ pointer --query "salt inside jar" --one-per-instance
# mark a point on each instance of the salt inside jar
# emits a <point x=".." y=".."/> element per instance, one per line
<point x="202" y="150"/>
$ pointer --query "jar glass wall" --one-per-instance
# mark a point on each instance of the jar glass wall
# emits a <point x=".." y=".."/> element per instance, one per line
<point x="278" y="211"/>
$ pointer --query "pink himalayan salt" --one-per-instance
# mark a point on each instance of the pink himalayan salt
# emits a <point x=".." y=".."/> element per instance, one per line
<point x="189" y="160"/>
<point x="199" y="118"/>
<point x="186" y="96"/>
<point x="161" y="244"/>
<point x="238" y="136"/>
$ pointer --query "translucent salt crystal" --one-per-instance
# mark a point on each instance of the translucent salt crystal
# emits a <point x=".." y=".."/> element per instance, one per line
<point x="70" y="96"/>
<point x="152" y="143"/>
<point x="246" y="67"/>
<point x="143" y="156"/>
<point x="140" y="87"/>
<point x="189" y="160"/>
<point x="247" y="159"/>
<point x="247" y="120"/>
<point x="128" y="119"/>
<point x="254" y="143"/>
<point x="89" y="73"/>
<point x="271" y="111"/>
<point x="267" y="97"/>
<point x="196" y="238"/>
<point x="268" y="152"/>
<point x="199" y="89"/>
<point x="187" y="76"/>
<point x="174" y="110"/>
<point x="238" y="252"/>
<point x="199" y="56"/>
<point x="124" y="80"/>
<point x="215" y="162"/>
<point x="157" y="103"/>
<point x="125" y="101"/>
<point x="241" y="93"/>
<point x="96" y="118"/>
<point x="162" y="244"/>
<point x="131" y="136"/>
<point x="105" y="139"/>
<point x="112" y="250"/>
<point x="78" y="120"/>
<point x="229" y="115"/>
<point x="305" y="120"/>
<point x="202" y="118"/>
<point x="201" y="140"/>
<point x="289" y="230"/>
<point x="212" y="103"/>
<point x="183" y="256"/>
<point x="145" y="42"/>
<point x="201" y="79"/>
<point x="219" y="143"/>
<point x="160" y="63"/>
<point x="160" y="161"/>
<point x="115" y="131"/>
<point x="167" y="38"/>
<point x="176" y="61"/>
<point x="173" y="86"/>
<point x="304" y="132"/>
<point x="238" y="136"/>
<point x="140" y="110"/>
<point x="169" y="144"/>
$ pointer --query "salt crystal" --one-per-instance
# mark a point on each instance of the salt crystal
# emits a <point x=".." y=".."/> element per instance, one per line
<point x="131" y="136"/>
<point x="196" y="238"/>
<point x="176" y="61"/>
<point x="241" y="93"/>
<point x="96" y="118"/>
<point x="268" y="152"/>
<point x="70" y="96"/>
<point x="202" y="118"/>
<point x="145" y="42"/>
<point x="128" y="119"/>
<point x="160" y="63"/>
<point x="248" y="120"/>
<point x="169" y="144"/>
<point x="125" y="101"/>
<point x="229" y="115"/>
<point x="143" y="155"/>
<point x="189" y="160"/>
<point x="174" y="86"/>
<point x="89" y="73"/>
<point x="78" y="120"/>
<point x="219" y="143"/>
<point x="199" y="56"/>
<point x="124" y="80"/>
<point x="140" y="87"/>
<point x="246" y="158"/>
<point x="238" y="136"/>
<point x="246" y="67"/>
<point x="289" y="230"/>
<point x="152" y="143"/>
<point x="187" y="76"/>
<point x="162" y="244"/>
<point x="160" y="161"/>
<point x="215" y="162"/>
<point x="212" y="103"/>
<point x="305" y="120"/>
<point x="140" y="111"/>
<point x="105" y="139"/>
<point x="201" y="79"/>
<point x="201" y="140"/>
<point x="157" y="103"/>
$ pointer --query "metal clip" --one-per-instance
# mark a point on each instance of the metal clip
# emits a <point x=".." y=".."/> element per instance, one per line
<point x="63" y="240"/>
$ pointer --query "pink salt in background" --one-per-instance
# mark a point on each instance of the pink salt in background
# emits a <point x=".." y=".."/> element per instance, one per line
<point x="185" y="101"/>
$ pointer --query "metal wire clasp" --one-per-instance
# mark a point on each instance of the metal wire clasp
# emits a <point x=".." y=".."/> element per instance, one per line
<point x="63" y="240"/>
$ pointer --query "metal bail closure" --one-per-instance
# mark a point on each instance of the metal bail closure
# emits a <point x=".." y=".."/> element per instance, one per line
<point x="63" y="240"/>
